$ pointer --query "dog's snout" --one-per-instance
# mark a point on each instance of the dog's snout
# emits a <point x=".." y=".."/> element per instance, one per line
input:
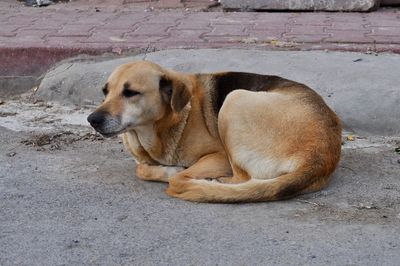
<point x="96" y="118"/>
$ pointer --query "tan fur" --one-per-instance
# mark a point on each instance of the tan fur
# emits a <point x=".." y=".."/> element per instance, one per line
<point x="262" y="145"/>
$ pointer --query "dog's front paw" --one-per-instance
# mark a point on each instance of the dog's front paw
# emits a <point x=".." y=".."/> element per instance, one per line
<point x="143" y="171"/>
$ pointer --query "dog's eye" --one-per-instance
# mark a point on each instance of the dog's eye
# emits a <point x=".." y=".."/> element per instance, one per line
<point x="129" y="93"/>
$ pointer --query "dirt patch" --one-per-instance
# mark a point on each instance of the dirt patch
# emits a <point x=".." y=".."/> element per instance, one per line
<point x="58" y="141"/>
<point x="5" y="114"/>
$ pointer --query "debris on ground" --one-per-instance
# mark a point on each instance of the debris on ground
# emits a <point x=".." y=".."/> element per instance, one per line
<point x="38" y="3"/>
<point x="11" y="154"/>
<point x="362" y="206"/>
<point x="5" y="114"/>
<point x="59" y="140"/>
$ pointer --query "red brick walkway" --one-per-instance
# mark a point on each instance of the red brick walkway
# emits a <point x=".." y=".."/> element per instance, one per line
<point x="58" y="33"/>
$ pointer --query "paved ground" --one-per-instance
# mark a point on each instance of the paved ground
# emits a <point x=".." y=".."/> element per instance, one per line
<point x="59" y="31"/>
<point x="69" y="197"/>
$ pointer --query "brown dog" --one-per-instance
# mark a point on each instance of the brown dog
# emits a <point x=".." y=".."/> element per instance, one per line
<point x="221" y="137"/>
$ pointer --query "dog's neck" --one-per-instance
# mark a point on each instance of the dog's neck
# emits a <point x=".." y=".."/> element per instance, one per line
<point x="161" y="140"/>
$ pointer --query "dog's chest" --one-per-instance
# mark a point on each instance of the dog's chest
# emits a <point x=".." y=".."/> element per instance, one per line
<point x="160" y="150"/>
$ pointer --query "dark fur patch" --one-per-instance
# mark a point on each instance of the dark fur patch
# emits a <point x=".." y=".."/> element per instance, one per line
<point x="105" y="89"/>
<point x="165" y="88"/>
<point x="175" y="93"/>
<point x="224" y="83"/>
<point x="128" y="91"/>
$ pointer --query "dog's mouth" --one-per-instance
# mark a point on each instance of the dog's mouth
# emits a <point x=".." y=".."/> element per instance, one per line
<point x="111" y="134"/>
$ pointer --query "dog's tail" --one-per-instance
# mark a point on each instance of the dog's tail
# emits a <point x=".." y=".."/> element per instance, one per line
<point x="282" y="187"/>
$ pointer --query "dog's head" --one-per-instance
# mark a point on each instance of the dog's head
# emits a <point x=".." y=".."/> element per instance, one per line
<point x="137" y="94"/>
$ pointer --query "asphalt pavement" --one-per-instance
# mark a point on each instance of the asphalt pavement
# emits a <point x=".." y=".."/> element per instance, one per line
<point x="70" y="197"/>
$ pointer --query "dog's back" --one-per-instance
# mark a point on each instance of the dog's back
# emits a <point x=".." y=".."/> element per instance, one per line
<point x="280" y="136"/>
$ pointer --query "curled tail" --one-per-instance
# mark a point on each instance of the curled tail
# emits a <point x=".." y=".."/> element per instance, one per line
<point x="282" y="187"/>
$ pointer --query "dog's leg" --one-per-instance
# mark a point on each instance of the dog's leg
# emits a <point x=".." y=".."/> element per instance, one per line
<point x="212" y="166"/>
<point x="159" y="173"/>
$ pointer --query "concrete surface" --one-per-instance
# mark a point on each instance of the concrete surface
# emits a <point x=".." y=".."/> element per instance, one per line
<point x="324" y="5"/>
<point x="364" y="89"/>
<point x="68" y="197"/>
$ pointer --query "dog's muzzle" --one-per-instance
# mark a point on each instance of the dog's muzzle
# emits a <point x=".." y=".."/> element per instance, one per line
<point x="105" y="124"/>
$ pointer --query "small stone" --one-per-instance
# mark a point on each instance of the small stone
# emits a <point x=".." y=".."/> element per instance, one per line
<point x="38" y="2"/>
<point x="117" y="50"/>
<point x="122" y="217"/>
<point x="11" y="154"/>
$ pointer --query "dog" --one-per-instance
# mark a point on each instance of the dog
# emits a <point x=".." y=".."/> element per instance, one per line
<point x="221" y="137"/>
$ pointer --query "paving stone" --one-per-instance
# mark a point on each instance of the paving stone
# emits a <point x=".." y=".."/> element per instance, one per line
<point x="350" y="36"/>
<point x="74" y="30"/>
<point x="348" y="26"/>
<point x="232" y="21"/>
<point x="376" y="22"/>
<point x="312" y="19"/>
<point x="71" y="42"/>
<point x="193" y="25"/>
<point x="227" y="30"/>
<point x="265" y="35"/>
<point x="270" y="26"/>
<point x="23" y="34"/>
<point x="305" y="29"/>
<point x="388" y="39"/>
<point x="21" y="20"/>
<point x="8" y="30"/>
<point x="132" y="38"/>
<point x="305" y="38"/>
<point x="385" y="31"/>
<point x="111" y="36"/>
<point x="152" y="29"/>
<point x="185" y="37"/>
<point x="348" y="17"/>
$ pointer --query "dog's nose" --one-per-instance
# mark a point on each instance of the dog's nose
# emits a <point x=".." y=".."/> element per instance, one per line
<point x="96" y="118"/>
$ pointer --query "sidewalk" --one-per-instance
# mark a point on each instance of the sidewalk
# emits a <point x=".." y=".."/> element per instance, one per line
<point x="31" y="39"/>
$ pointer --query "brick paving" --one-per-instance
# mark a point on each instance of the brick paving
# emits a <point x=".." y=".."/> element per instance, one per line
<point x="61" y="32"/>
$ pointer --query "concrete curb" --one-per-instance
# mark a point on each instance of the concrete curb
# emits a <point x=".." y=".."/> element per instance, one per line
<point x="22" y="68"/>
<point x="363" y="89"/>
<point x="324" y="5"/>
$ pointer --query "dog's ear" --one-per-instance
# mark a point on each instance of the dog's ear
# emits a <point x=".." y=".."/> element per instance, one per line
<point x="174" y="92"/>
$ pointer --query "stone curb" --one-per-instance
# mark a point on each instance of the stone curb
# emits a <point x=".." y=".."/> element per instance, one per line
<point x="363" y="89"/>
<point x="324" y="5"/>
